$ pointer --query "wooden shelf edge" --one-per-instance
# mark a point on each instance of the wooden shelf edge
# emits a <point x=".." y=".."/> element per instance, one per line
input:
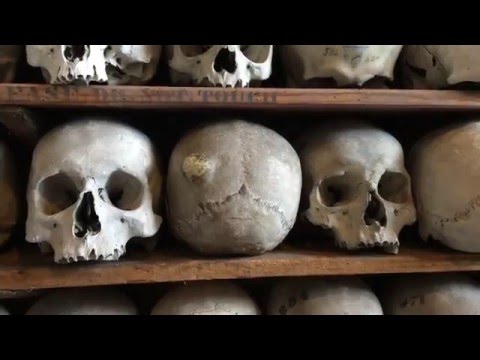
<point x="182" y="98"/>
<point x="34" y="272"/>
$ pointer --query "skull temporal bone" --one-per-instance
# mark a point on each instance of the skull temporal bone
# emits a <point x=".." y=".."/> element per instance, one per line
<point x="94" y="185"/>
<point x="220" y="65"/>
<point x="358" y="185"/>
<point x="113" y="64"/>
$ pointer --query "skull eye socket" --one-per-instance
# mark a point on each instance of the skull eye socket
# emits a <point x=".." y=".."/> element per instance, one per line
<point x="194" y="50"/>
<point x="124" y="191"/>
<point x="57" y="193"/>
<point x="393" y="187"/>
<point x="256" y="53"/>
<point x="338" y="190"/>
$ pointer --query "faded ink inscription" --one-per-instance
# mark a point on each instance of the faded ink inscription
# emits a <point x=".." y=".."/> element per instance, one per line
<point x="149" y="95"/>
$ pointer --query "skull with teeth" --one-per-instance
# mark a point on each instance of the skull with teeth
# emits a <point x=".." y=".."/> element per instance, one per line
<point x="113" y="64"/>
<point x="220" y="65"/>
<point x="357" y="185"/>
<point x="94" y="185"/>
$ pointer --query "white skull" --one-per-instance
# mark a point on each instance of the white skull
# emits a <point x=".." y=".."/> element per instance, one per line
<point x="220" y="65"/>
<point x="446" y="175"/>
<point x="8" y="194"/>
<point x="113" y="64"/>
<point x="9" y="56"/>
<point x="440" y="66"/>
<point x="357" y="185"/>
<point x="346" y="64"/>
<point x="94" y="185"/>
<point x="233" y="187"/>
<point x="207" y="298"/>
<point x="82" y="302"/>
<point x="323" y="296"/>
<point x="432" y="294"/>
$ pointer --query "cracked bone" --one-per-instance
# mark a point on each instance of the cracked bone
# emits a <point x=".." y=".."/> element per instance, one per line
<point x="233" y="187"/>
<point x="446" y="178"/>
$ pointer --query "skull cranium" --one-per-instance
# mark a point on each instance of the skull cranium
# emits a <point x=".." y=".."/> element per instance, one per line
<point x="314" y="65"/>
<point x="357" y="185"/>
<point x="220" y="65"/>
<point x="94" y="185"/>
<point x="113" y="64"/>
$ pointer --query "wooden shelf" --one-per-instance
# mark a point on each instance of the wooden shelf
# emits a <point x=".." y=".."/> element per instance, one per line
<point x="35" y="95"/>
<point x="20" y="270"/>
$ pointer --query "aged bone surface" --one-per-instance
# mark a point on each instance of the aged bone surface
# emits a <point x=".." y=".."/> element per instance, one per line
<point x="432" y="294"/>
<point x="83" y="64"/>
<point x="357" y="185"/>
<point x="440" y="66"/>
<point x="345" y="64"/>
<point x="323" y="296"/>
<point x="8" y="194"/>
<point x="233" y="188"/>
<point x="94" y="185"/>
<point x="446" y="178"/>
<point x="9" y="56"/>
<point x="81" y="302"/>
<point x="207" y="298"/>
<point x="220" y="65"/>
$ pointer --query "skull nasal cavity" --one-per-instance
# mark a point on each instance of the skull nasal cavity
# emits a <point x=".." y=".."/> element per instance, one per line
<point x="86" y="219"/>
<point x="225" y="60"/>
<point x="73" y="52"/>
<point x="375" y="211"/>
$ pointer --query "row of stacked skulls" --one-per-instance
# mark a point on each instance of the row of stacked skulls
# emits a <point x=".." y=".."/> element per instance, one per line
<point x="372" y="66"/>
<point x="238" y="188"/>
<point x="425" y="294"/>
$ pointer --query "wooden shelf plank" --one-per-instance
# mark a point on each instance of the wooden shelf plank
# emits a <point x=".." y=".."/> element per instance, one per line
<point x="36" y="95"/>
<point x="27" y="271"/>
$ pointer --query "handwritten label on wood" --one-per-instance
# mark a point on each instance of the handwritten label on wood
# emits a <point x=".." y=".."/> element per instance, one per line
<point x="111" y="95"/>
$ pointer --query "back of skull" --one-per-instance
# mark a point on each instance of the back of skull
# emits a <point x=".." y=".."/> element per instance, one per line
<point x="440" y="66"/>
<point x="345" y="64"/>
<point x="8" y="194"/>
<point x="448" y="204"/>
<point x="113" y="64"/>
<point x="220" y="65"/>
<point x="233" y="188"/>
<point x="432" y="294"/>
<point x="207" y="298"/>
<point x="323" y="296"/>
<point x="357" y="185"/>
<point x="94" y="185"/>
<point x="82" y="302"/>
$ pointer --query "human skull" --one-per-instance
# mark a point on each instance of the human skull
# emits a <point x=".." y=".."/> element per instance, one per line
<point x="432" y="294"/>
<point x="233" y="187"/>
<point x="9" y="56"/>
<point x="81" y="302"/>
<point x="83" y="64"/>
<point x="446" y="174"/>
<point x="207" y="298"/>
<point x="220" y="65"/>
<point x="8" y="194"/>
<point x="347" y="65"/>
<point x="323" y="296"/>
<point x="94" y="185"/>
<point x="357" y="185"/>
<point x="440" y="66"/>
